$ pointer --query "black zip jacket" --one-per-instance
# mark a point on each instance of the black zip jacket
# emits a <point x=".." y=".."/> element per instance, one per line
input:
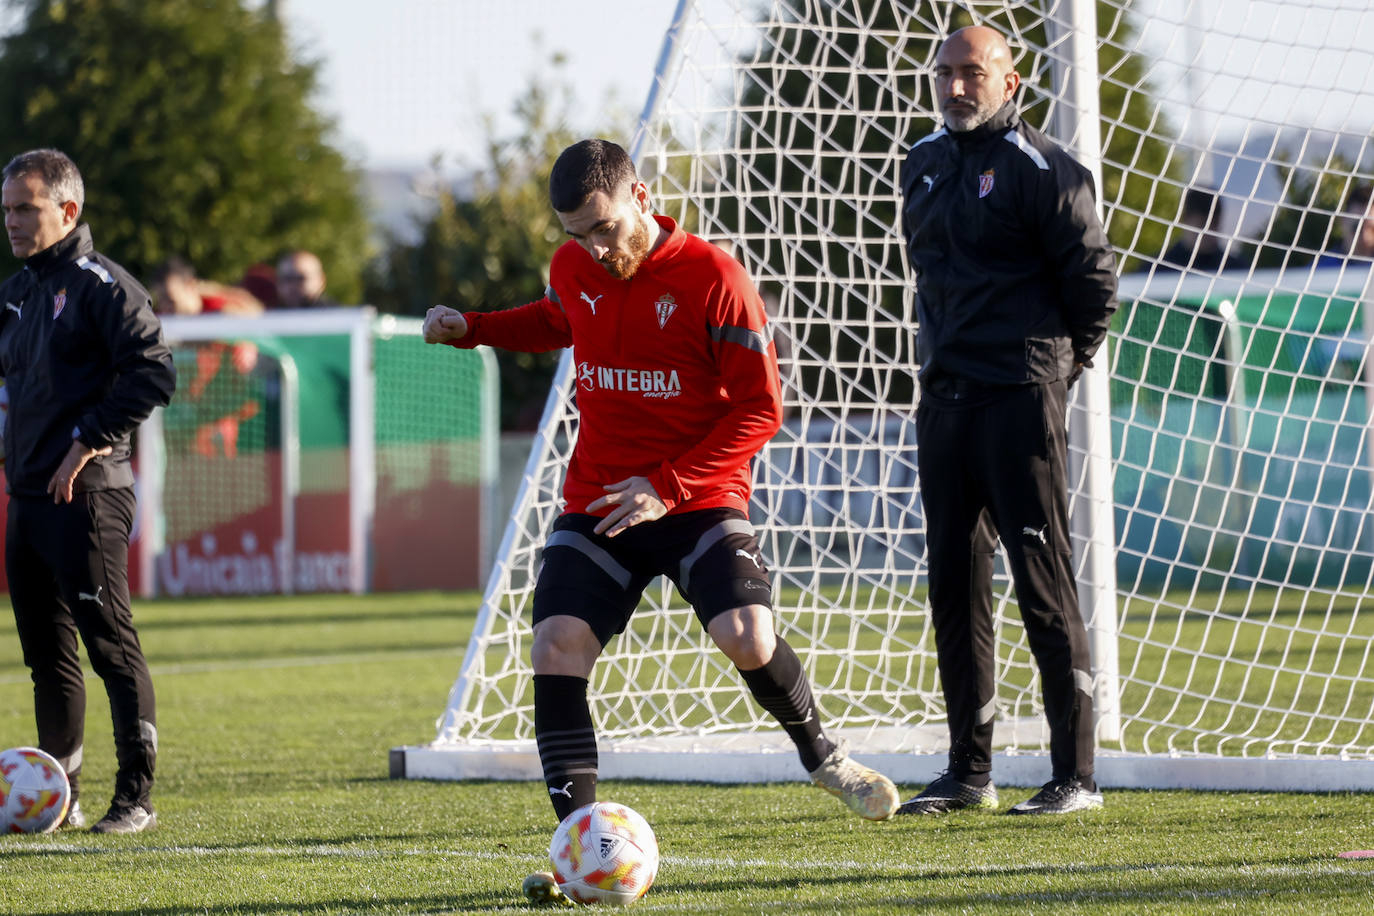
<point x="1015" y="278"/>
<point x="82" y="356"/>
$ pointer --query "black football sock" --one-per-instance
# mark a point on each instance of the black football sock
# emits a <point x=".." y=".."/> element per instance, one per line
<point x="566" y="737"/>
<point x="782" y="689"/>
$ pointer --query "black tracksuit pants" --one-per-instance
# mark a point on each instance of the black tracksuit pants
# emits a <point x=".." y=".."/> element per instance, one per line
<point x="993" y="464"/>
<point x="68" y="568"/>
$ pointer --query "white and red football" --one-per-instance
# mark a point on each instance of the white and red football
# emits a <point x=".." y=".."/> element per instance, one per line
<point x="34" y="792"/>
<point x="604" y="853"/>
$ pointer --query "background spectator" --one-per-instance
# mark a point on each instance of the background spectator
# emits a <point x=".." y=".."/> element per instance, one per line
<point x="1200" y="245"/>
<point x="261" y="280"/>
<point x="301" y="281"/>
<point x="176" y="290"/>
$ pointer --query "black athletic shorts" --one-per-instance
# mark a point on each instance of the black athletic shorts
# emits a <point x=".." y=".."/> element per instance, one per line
<point x="711" y="555"/>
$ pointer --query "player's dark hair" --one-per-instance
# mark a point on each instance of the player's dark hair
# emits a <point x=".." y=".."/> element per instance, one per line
<point x="59" y="174"/>
<point x="586" y="167"/>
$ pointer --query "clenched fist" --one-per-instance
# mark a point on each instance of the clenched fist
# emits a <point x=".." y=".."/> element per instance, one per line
<point x="443" y="324"/>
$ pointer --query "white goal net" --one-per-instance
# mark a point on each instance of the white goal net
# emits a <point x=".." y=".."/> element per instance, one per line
<point x="1221" y="486"/>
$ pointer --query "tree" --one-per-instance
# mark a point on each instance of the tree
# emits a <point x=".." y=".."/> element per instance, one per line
<point x="192" y="126"/>
<point x="489" y="247"/>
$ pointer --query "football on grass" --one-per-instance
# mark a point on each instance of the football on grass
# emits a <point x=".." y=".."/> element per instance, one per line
<point x="34" y="792"/>
<point x="604" y="853"/>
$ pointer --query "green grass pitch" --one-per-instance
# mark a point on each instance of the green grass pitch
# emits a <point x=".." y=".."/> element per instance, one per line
<point x="276" y="715"/>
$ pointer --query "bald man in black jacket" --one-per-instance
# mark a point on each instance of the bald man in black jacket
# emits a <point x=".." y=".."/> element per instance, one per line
<point x="1015" y="286"/>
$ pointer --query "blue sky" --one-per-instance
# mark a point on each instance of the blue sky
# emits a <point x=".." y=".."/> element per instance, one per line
<point x="407" y="79"/>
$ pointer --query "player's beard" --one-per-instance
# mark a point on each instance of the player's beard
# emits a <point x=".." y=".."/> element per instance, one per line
<point x="961" y="119"/>
<point x="623" y="264"/>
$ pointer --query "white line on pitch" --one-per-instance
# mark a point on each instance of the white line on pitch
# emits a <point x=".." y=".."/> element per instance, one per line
<point x="1332" y="867"/>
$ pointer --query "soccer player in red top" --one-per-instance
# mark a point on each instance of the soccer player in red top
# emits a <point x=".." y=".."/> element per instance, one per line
<point x="677" y="390"/>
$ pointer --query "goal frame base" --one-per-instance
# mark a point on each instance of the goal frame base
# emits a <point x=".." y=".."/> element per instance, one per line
<point x="519" y="761"/>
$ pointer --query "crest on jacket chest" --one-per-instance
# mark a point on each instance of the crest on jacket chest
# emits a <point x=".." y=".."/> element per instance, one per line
<point x="664" y="308"/>
<point x="985" y="181"/>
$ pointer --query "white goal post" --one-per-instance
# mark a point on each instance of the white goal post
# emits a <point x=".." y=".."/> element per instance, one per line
<point x="1220" y="450"/>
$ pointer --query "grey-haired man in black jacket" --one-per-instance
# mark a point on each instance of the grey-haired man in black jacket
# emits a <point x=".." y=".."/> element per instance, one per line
<point x="1015" y="286"/>
<point x="83" y="363"/>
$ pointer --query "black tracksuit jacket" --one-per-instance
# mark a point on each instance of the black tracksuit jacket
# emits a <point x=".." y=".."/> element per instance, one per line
<point x="1016" y="281"/>
<point x="81" y="354"/>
